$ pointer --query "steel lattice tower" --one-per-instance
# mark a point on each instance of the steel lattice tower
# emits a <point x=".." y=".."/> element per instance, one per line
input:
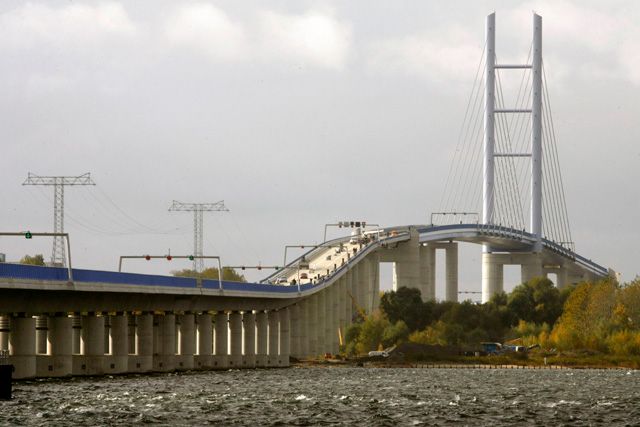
<point x="198" y="228"/>
<point x="58" y="254"/>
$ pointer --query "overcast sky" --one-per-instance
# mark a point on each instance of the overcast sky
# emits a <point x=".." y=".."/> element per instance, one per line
<point x="296" y="113"/>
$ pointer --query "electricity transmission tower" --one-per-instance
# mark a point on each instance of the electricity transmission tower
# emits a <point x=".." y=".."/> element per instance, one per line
<point x="198" y="231"/>
<point x="58" y="255"/>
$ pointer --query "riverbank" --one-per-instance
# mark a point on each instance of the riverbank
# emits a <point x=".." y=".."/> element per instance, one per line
<point x="509" y="361"/>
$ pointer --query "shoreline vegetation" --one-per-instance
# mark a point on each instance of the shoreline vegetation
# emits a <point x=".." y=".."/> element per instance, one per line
<point x="484" y="362"/>
<point x="586" y="325"/>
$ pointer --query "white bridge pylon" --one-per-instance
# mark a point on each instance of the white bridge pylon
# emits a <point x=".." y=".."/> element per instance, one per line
<point x="492" y="277"/>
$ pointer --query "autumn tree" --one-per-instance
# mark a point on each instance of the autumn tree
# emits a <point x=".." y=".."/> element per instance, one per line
<point x="33" y="260"/>
<point x="228" y="274"/>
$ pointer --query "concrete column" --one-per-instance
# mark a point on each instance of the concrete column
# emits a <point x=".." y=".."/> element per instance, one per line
<point x="106" y="333"/>
<point x="428" y="273"/>
<point x="119" y="343"/>
<point x="532" y="267"/>
<point x="156" y="335"/>
<point x="249" y="329"/>
<point x="221" y="358"/>
<point x="335" y="318"/>
<point x="42" y="330"/>
<point x="328" y="322"/>
<point x="273" y="316"/>
<point x="562" y="278"/>
<point x="285" y="340"/>
<point x="76" y="326"/>
<point x="143" y="362"/>
<point x="59" y="346"/>
<point x="186" y="341"/>
<point x="312" y="325"/>
<point x="348" y="304"/>
<point x="262" y="330"/>
<point x="407" y="264"/>
<point x="492" y="276"/>
<point x="452" y="272"/>
<point x="364" y="276"/>
<point x="294" y="313"/>
<point x="165" y="361"/>
<point x="22" y="347"/>
<point x="4" y="332"/>
<point x="321" y="321"/>
<point x="375" y="280"/>
<point x="131" y="333"/>
<point x="204" y="358"/>
<point x="235" y="324"/>
<point x="92" y="344"/>
<point x="343" y="299"/>
<point x="304" y="328"/>
<point x="355" y="281"/>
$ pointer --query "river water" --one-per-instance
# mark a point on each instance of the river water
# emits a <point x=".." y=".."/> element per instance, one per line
<point x="336" y="395"/>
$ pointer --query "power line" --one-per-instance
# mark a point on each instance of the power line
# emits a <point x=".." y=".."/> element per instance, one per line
<point x="58" y="253"/>
<point x="198" y="226"/>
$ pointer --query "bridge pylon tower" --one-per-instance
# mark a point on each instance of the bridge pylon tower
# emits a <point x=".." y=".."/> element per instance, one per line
<point x="198" y="225"/>
<point x="488" y="193"/>
<point x="58" y="254"/>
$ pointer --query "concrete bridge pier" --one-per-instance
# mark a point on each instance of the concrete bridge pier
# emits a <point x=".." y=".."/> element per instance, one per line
<point x="4" y="332"/>
<point x="58" y="362"/>
<point x="451" y="271"/>
<point x="343" y="299"/>
<point x="492" y="275"/>
<point x="273" y="317"/>
<point x="22" y="346"/>
<point x="355" y="280"/>
<point x="91" y="346"/>
<point x="406" y="267"/>
<point x="375" y="281"/>
<point x="221" y="356"/>
<point x="262" y="329"/>
<point x="76" y="326"/>
<point x="131" y="334"/>
<point x="335" y="318"/>
<point x="118" y="362"/>
<point x="531" y="267"/>
<point x="321" y="318"/>
<point x="42" y="330"/>
<point x="285" y="338"/>
<point x="249" y="330"/>
<point x="165" y="359"/>
<point x="328" y="317"/>
<point x="204" y="358"/>
<point x="143" y="360"/>
<point x="186" y="342"/>
<point x="364" y="280"/>
<point x="294" y="313"/>
<point x="235" y="325"/>
<point x="428" y="272"/>
<point x="304" y="328"/>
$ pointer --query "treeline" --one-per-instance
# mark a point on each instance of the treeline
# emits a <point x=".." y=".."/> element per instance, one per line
<point x="603" y="316"/>
<point x="228" y="274"/>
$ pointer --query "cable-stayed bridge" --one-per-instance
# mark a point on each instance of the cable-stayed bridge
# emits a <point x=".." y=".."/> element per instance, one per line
<point x="59" y="322"/>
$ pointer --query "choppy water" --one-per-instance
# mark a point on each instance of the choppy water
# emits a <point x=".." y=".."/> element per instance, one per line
<point x="354" y="396"/>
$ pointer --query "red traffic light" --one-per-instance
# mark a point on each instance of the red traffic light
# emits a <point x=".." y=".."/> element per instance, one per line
<point x="147" y="257"/>
<point x="169" y="257"/>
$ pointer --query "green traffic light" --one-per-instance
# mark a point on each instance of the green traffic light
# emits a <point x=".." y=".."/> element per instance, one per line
<point x="190" y="257"/>
<point x="28" y="235"/>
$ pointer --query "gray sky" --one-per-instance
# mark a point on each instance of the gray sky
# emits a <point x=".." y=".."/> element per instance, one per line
<point x="296" y="113"/>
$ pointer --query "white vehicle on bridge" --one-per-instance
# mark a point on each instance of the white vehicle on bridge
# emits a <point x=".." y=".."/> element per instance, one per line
<point x="356" y="236"/>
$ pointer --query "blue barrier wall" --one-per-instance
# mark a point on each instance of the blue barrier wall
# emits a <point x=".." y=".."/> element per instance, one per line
<point x="34" y="272"/>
